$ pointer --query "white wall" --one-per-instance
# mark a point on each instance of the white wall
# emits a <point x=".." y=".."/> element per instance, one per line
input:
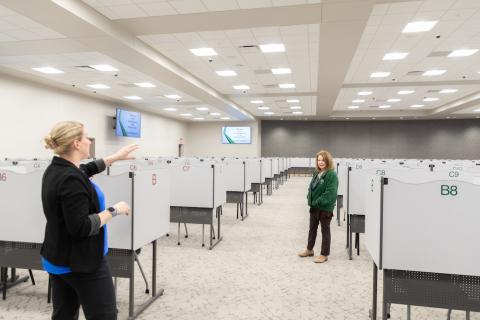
<point x="30" y="110"/>
<point x="205" y="139"/>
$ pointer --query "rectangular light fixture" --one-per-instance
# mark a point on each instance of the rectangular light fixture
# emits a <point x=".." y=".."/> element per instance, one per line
<point x="434" y="72"/>
<point x="393" y="100"/>
<point x="476" y="110"/>
<point x="297" y="112"/>
<point x="214" y="113"/>
<point x="269" y="113"/>
<point x="419" y="26"/>
<point x="203" y="52"/>
<point x="404" y="92"/>
<point x="417" y="105"/>
<point x="226" y="73"/>
<point x="133" y="97"/>
<point x="358" y="101"/>
<point x="353" y="107"/>
<point x="199" y="118"/>
<point x="225" y="118"/>
<point x="104" y="67"/>
<point x="281" y="71"/>
<point x="286" y="85"/>
<point x="202" y="108"/>
<point x="448" y="91"/>
<point x="256" y="101"/>
<point x="364" y="93"/>
<point x="384" y="106"/>
<point x="379" y="74"/>
<point x="48" y="70"/>
<point x="295" y="107"/>
<point x="395" y="56"/>
<point x="263" y="108"/>
<point x="145" y="85"/>
<point x="241" y="87"/>
<point x="98" y="86"/>
<point x="296" y="100"/>
<point x="462" y="53"/>
<point x="170" y="109"/>
<point x="430" y="99"/>
<point x="186" y="114"/>
<point x="172" y="96"/>
<point x="272" y="47"/>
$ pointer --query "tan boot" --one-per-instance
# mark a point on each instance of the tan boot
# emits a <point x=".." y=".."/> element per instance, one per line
<point x="306" y="253"/>
<point x="321" y="259"/>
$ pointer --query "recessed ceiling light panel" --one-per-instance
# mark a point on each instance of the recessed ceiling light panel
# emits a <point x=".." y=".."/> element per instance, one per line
<point x="203" y="52"/>
<point x="419" y="26"/>
<point x="272" y="47"/>
<point x="48" y="70"/>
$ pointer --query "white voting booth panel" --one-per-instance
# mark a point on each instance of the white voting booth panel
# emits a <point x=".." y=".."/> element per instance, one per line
<point x="275" y="167"/>
<point x="372" y="186"/>
<point x="21" y="218"/>
<point x="267" y="167"/>
<point x="198" y="184"/>
<point x="149" y="198"/>
<point x="235" y="175"/>
<point x="257" y="174"/>
<point x="431" y="227"/>
<point x="252" y="172"/>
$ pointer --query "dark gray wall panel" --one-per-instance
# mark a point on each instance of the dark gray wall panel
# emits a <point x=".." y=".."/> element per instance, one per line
<point x="440" y="139"/>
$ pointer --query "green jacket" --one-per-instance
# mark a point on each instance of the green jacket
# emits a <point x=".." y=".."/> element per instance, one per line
<point x="322" y="192"/>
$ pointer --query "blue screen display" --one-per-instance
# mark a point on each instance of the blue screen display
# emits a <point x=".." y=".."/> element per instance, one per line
<point x="236" y="135"/>
<point x="128" y="124"/>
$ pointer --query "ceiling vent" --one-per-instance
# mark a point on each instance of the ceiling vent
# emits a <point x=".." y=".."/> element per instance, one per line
<point x="128" y="85"/>
<point x="415" y="73"/>
<point x="438" y="54"/>
<point x="84" y="68"/>
<point x="433" y="91"/>
<point x="271" y="86"/>
<point x="249" y="49"/>
<point x="262" y="71"/>
<point x="373" y="106"/>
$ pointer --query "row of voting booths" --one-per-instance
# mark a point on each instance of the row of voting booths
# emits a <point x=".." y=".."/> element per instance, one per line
<point x="160" y="191"/>
<point x="419" y="219"/>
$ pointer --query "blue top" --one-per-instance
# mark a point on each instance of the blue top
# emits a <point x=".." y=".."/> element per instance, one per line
<point x="54" y="269"/>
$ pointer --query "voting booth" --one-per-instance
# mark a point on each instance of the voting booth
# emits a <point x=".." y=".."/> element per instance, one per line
<point x="267" y="169"/>
<point x="197" y="192"/>
<point x="239" y="174"/>
<point x="257" y="179"/>
<point x="419" y="231"/>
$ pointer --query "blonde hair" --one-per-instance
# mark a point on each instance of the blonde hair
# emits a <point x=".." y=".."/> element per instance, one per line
<point x="62" y="135"/>
<point x="327" y="157"/>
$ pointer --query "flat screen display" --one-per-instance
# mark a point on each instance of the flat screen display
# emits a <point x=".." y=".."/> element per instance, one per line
<point x="128" y="124"/>
<point x="236" y="135"/>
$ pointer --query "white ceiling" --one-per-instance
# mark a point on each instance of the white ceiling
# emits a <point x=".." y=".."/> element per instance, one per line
<point x="332" y="47"/>
<point x="125" y="9"/>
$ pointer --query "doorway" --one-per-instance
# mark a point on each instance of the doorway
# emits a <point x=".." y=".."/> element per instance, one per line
<point x="92" y="147"/>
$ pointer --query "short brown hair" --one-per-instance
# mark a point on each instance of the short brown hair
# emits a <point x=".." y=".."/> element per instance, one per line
<point x="62" y="135"/>
<point x="327" y="157"/>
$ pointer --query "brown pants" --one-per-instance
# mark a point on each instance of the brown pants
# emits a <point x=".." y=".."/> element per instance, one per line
<point x="324" y="218"/>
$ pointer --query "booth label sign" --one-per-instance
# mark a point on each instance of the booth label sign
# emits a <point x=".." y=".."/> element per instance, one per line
<point x="446" y="190"/>
<point x="454" y="174"/>
<point x="380" y="172"/>
<point x="154" y="179"/>
<point x="3" y="177"/>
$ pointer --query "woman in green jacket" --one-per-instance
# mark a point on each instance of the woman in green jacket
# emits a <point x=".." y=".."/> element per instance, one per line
<point x="322" y="195"/>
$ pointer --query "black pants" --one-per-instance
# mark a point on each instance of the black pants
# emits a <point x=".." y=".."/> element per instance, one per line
<point x="94" y="291"/>
<point x="324" y="218"/>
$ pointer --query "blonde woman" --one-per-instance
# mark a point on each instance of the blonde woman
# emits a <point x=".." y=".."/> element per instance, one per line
<point x="75" y="243"/>
<point x="322" y="195"/>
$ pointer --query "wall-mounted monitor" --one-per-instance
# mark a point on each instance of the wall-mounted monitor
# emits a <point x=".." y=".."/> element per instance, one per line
<point x="128" y="124"/>
<point x="236" y="135"/>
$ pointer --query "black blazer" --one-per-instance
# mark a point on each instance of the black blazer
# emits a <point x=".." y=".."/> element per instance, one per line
<point x="69" y="203"/>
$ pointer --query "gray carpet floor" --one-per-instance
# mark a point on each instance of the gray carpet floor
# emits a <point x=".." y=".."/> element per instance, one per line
<point x="254" y="273"/>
